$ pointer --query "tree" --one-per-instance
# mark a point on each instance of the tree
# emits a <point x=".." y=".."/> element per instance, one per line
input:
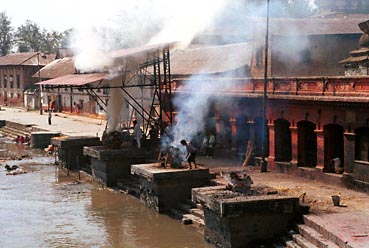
<point x="6" y="34"/>
<point x="31" y="38"/>
<point x="50" y="41"/>
<point x="28" y="37"/>
<point x="65" y="38"/>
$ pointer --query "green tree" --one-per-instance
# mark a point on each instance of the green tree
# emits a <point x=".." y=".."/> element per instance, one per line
<point x="65" y="38"/>
<point x="50" y="41"/>
<point x="6" y="34"/>
<point x="28" y="37"/>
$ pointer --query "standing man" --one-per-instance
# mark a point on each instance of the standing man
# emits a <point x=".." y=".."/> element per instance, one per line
<point x="191" y="153"/>
<point x="49" y="119"/>
<point x="137" y="133"/>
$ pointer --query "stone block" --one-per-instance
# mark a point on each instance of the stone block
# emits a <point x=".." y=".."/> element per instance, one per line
<point x="42" y="139"/>
<point x="165" y="188"/>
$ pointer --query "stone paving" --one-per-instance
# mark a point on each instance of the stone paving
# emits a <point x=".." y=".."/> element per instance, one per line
<point x="349" y="221"/>
<point x="64" y="123"/>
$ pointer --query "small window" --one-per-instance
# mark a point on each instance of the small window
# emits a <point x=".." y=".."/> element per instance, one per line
<point x="5" y="81"/>
<point x="11" y="81"/>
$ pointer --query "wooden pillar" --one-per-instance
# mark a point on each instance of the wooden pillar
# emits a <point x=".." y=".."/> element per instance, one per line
<point x="271" y="158"/>
<point x="294" y="142"/>
<point x="349" y="152"/>
<point x="320" y="149"/>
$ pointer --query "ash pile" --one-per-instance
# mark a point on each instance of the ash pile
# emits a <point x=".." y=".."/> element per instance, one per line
<point x="238" y="182"/>
<point x="171" y="157"/>
<point x="116" y="139"/>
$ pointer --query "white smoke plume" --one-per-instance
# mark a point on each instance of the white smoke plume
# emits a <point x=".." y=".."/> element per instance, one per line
<point x="114" y="109"/>
<point x="159" y="21"/>
<point x="185" y="19"/>
<point x="135" y="23"/>
<point x="312" y="5"/>
<point x="193" y="106"/>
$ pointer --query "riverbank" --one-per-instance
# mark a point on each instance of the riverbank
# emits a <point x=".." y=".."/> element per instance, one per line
<point x="350" y="218"/>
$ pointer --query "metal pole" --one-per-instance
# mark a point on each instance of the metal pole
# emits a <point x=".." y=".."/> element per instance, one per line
<point x="263" y="167"/>
<point x="39" y="80"/>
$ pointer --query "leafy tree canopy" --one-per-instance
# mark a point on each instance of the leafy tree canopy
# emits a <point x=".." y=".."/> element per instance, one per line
<point x="30" y="37"/>
<point x="6" y="34"/>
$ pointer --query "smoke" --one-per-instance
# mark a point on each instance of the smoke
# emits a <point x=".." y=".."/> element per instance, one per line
<point x="135" y="23"/>
<point x="89" y="55"/>
<point x="116" y="102"/>
<point x="186" y="19"/>
<point x="195" y="105"/>
<point x="159" y="21"/>
<point x="312" y="5"/>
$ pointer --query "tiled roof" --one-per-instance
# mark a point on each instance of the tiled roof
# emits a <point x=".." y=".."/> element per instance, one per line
<point x="30" y="58"/>
<point x="208" y="60"/>
<point x="75" y="79"/>
<point x="57" y="68"/>
<point x="294" y="26"/>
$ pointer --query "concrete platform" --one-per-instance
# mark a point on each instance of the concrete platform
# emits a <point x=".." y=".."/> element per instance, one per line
<point x="70" y="151"/>
<point x="111" y="165"/>
<point x="42" y="139"/>
<point x="236" y="220"/>
<point x="165" y="188"/>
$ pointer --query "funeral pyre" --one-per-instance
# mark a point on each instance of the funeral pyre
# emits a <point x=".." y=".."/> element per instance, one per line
<point x="171" y="157"/>
<point x="114" y="139"/>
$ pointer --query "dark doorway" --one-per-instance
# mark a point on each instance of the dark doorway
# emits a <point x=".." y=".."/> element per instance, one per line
<point x="362" y="144"/>
<point x="258" y="138"/>
<point x="307" y="147"/>
<point x="333" y="145"/>
<point x="282" y="140"/>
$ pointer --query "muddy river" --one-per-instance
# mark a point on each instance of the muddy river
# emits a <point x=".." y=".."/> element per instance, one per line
<point x="46" y="208"/>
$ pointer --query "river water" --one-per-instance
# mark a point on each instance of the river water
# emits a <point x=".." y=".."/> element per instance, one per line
<point x="46" y="208"/>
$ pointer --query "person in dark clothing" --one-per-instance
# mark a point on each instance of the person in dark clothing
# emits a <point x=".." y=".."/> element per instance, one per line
<point x="191" y="153"/>
<point x="49" y="118"/>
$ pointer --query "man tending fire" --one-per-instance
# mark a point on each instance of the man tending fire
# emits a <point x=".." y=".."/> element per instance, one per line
<point x="191" y="153"/>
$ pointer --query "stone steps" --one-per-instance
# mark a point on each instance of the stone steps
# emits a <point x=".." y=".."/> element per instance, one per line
<point x="130" y="186"/>
<point x="324" y="232"/>
<point x="302" y="242"/>
<point x="312" y="235"/>
<point x="315" y="237"/>
<point x="292" y="244"/>
<point x="12" y="132"/>
<point x="189" y="214"/>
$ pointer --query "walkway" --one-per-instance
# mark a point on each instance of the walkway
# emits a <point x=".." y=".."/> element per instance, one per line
<point x="68" y="124"/>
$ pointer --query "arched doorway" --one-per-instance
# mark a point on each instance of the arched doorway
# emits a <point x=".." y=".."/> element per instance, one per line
<point x="282" y="140"/>
<point x="362" y="144"/>
<point x="242" y="135"/>
<point x="307" y="147"/>
<point x="258" y="138"/>
<point x="333" y="145"/>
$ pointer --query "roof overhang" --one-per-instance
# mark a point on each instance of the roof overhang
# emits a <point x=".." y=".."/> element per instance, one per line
<point x="75" y="79"/>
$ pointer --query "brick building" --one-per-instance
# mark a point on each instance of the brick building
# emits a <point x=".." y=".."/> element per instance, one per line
<point x="16" y="72"/>
<point x="313" y="115"/>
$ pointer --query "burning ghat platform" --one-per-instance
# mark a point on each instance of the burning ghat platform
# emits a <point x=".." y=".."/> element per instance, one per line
<point x="234" y="219"/>
<point x="110" y="165"/>
<point x="165" y="188"/>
